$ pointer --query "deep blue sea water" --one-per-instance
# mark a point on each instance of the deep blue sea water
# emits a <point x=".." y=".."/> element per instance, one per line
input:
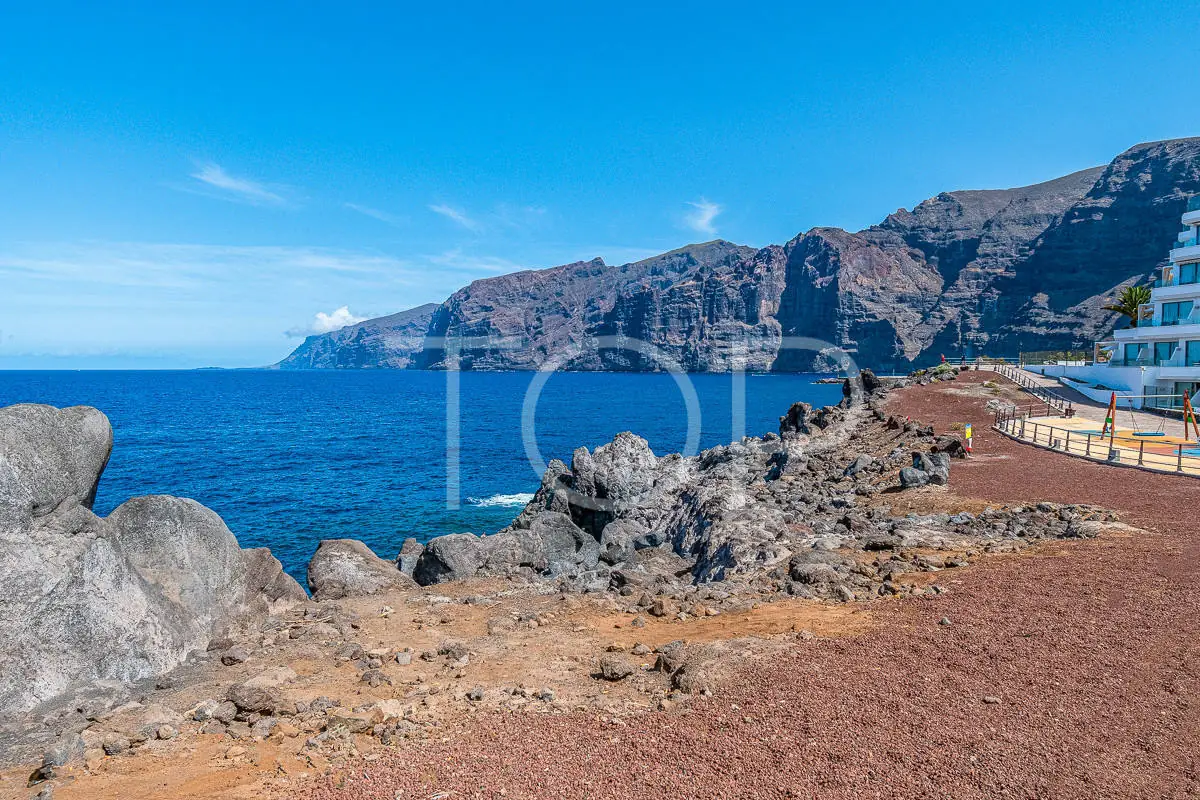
<point x="290" y="458"/>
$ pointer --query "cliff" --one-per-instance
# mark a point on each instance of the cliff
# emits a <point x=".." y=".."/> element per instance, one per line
<point x="988" y="272"/>
<point x="384" y="342"/>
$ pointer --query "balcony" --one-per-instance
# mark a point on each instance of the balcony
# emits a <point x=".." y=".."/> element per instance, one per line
<point x="1192" y="215"/>
<point x="1186" y="251"/>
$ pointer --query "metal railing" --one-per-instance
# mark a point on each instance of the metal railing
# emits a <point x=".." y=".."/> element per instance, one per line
<point x="1051" y="399"/>
<point x="1160" y="456"/>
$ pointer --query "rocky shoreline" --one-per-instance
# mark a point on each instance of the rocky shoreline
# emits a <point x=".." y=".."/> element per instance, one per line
<point x="654" y="550"/>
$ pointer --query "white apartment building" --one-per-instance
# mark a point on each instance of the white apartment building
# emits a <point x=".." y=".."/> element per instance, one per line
<point x="1161" y="356"/>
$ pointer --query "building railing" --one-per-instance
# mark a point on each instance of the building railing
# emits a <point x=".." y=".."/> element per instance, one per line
<point x="1193" y="318"/>
<point x="1178" y="458"/>
<point x="1175" y="280"/>
<point x="1052" y="400"/>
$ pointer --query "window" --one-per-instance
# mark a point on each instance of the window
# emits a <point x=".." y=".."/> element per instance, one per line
<point x="1188" y="273"/>
<point x="1193" y="354"/>
<point x="1174" y="313"/>
<point x="1163" y="352"/>
<point x="1133" y="352"/>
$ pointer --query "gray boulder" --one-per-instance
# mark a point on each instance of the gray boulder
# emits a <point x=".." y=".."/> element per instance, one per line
<point x="565" y="545"/>
<point x="912" y="478"/>
<point x="858" y="465"/>
<point x="936" y="465"/>
<point x="122" y="598"/>
<point x="552" y="544"/>
<point x="410" y="551"/>
<point x="620" y="470"/>
<point x="348" y="568"/>
<point x="455" y="556"/>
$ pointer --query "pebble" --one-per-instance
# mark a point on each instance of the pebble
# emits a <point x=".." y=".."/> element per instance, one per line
<point x="234" y="655"/>
<point x="115" y="745"/>
<point x="614" y="669"/>
<point x="991" y="699"/>
<point x="944" y="621"/>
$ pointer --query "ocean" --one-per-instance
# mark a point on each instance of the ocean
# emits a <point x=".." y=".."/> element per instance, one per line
<point x="290" y="458"/>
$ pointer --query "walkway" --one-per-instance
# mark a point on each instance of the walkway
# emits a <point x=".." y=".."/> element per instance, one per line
<point x="1091" y="410"/>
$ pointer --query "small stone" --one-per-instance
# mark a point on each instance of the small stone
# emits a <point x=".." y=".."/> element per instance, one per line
<point x="92" y="757"/>
<point x="234" y="655"/>
<point x="64" y="751"/>
<point x="944" y="621"/>
<point x="991" y="699"/>
<point x="375" y="678"/>
<point x="640" y="649"/>
<point x="662" y="608"/>
<point x="166" y="732"/>
<point x="225" y="712"/>
<point x="204" y="711"/>
<point x="546" y="695"/>
<point x="614" y="669"/>
<point x="475" y="695"/>
<point x="262" y="729"/>
<point x="115" y="745"/>
<point x="638" y="622"/>
<point x="235" y="751"/>
<point x="404" y="659"/>
<point x="252" y="698"/>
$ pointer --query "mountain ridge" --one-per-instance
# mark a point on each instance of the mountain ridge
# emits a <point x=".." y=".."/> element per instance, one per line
<point x="966" y="272"/>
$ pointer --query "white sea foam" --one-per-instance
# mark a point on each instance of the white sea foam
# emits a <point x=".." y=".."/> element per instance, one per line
<point x="502" y="500"/>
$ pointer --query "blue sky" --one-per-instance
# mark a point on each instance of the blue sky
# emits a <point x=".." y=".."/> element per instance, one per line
<point x="192" y="184"/>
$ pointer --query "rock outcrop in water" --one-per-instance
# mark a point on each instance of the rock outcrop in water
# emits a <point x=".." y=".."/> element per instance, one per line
<point x="966" y="272"/>
<point x="796" y="511"/>
<point x="119" y="598"/>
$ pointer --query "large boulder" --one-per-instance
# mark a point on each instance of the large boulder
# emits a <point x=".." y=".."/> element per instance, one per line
<point x="620" y="470"/>
<point x="552" y="544"/>
<point x="122" y="598"/>
<point x="347" y="568"/>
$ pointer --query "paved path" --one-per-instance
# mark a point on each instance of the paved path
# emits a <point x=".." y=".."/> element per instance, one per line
<point x="1089" y="409"/>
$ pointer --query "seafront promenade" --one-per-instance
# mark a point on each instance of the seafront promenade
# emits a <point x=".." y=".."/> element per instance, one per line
<point x="1140" y="439"/>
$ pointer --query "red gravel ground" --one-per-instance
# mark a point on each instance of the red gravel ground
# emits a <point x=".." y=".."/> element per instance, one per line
<point x="1092" y="650"/>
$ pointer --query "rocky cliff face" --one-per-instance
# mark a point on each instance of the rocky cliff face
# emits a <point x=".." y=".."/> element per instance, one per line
<point x="385" y="342"/>
<point x="121" y="598"/>
<point x="968" y="272"/>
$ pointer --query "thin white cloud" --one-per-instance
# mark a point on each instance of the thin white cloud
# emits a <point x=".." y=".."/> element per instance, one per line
<point x="328" y="323"/>
<point x="701" y="217"/>
<point x="375" y="213"/>
<point x="519" y="217"/>
<point x="455" y="214"/>
<point x="240" y="190"/>
<point x="189" y="266"/>
<point x="459" y="261"/>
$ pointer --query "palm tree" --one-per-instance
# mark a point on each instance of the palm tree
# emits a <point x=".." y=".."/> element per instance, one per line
<point x="1128" y="301"/>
